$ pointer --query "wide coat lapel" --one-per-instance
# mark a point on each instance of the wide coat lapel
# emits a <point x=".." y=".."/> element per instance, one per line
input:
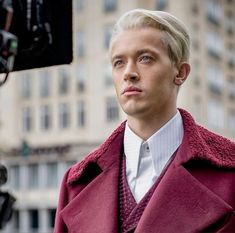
<point x="181" y="204"/>
<point x="95" y="208"/>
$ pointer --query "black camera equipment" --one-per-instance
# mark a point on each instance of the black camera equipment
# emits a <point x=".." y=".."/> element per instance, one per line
<point x="37" y="27"/>
<point x="8" y="50"/>
<point x="6" y="200"/>
<point x="8" y="41"/>
<point x="44" y="31"/>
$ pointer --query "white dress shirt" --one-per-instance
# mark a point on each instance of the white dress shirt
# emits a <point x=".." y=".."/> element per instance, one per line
<point x="145" y="160"/>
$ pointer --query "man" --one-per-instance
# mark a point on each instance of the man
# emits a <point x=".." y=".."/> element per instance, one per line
<point x="159" y="171"/>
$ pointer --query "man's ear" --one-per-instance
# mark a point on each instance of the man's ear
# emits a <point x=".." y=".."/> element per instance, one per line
<point x="182" y="74"/>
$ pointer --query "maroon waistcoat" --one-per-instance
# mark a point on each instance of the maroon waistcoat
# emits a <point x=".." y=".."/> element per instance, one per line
<point x="129" y="211"/>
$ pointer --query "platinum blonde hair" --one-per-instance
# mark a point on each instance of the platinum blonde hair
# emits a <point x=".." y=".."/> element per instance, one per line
<point x="176" y="37"/>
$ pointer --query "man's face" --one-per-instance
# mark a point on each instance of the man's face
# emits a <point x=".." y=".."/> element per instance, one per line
<point x="143" y="73"/>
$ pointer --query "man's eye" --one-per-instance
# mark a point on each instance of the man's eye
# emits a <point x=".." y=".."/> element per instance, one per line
<point x="145" y="58"/>
<point x="117" y="63"/>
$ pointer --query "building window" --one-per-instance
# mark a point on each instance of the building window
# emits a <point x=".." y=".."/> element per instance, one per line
<point x="215" y="79"/>
<point x="214" y="11"/>
<point x="63" y="115"/>
<point x="195" y="7"/>
<point x="107" y="36"/>
<point x="215" y="114"/>
<point x="80" y="78"/>
<point x="45" y="117"/>
<point x="26" y="86"/>
<point x="231" y="88"/>
<point x="26" y="119"/>
<point x="80" y="43"/>
<point x="52" y="173"/>
<point x="231" y="120"/>
<point x="112" y="109"/>
<point x="63" y="81"/>
<point x="230" y="23"/>
<point x="44" y="84"/>
<point x="196" y="72"/>
<point x="80" y="5"/>
<point x="110" y="5"/>
<point x="108" y="75"/>
<point x="197" y="108"/>
<point x="51" y="217"/>
<point x="16" y="220"/>
<point x="195" y="32"/>
<point x="33" y="176"/>
<point x="15" y="177"/>
<point x="34" y="220"/>
<point x="162" y="5"/>
<point x="81" y="114"/>
<point x="230" y="54"/>
<point x="214" y="44"/>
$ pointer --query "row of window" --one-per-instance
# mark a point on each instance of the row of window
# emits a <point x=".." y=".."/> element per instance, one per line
<point x="46" y="117"/>
<point x="37" y="176"/>
<point x="108" y="5"/>
<point x="81" y="40"/>
<point x="63" y="84"/>
<point x="215" y="44"/>
<point x="216" y="47"/>
<point x="64" y="115"/>
<point x="216" y="14"/>
<point x="214" y="10"/>
<point x="35" y="220"/>
<point x="45" y="82"/>
<point x="216" y="80"/>
<point x="217" y="117"/>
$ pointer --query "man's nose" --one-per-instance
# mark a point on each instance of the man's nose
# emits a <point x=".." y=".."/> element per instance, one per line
<point x="131" y="72"/>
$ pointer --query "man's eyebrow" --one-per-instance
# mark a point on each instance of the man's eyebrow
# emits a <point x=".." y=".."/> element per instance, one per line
<point x="138" y="52"/>
<point x="115" y="57"/>
<point x="141" y="51"/>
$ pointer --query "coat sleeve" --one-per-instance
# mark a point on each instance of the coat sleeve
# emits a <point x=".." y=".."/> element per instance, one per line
<point x="60" y="226"/>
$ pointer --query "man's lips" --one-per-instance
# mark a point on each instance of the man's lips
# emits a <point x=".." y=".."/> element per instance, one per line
<point x="131" y="90"/>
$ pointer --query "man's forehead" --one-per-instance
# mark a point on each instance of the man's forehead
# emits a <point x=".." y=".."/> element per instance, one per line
<point x="137" y="40"/>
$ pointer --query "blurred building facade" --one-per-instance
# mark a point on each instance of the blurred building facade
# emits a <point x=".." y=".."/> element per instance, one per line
<point x="52" y="117"/>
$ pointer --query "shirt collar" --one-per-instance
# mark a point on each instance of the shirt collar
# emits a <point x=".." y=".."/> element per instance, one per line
<point x="132" y="144"/>
<point x="162" y="144"/>
<point x="165" y="142"/>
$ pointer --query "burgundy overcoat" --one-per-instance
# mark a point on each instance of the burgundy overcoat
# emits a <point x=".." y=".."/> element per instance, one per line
<point x="196" y="193"/>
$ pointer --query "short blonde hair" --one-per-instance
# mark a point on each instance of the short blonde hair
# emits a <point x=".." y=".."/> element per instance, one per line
<point x="176" y="36"/>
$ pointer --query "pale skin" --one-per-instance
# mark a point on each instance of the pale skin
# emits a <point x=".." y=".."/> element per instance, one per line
<point x="145" y="79"/>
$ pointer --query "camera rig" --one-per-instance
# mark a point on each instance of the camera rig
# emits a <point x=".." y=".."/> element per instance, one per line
<point x="6" y="200"/>
<point x="8" y="41"/>
<point x="36" y="29"/>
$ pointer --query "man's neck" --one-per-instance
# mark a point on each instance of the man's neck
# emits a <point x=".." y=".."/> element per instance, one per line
<point x="146" y="127"/>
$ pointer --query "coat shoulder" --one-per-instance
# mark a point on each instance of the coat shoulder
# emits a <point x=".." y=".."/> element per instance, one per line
<point x="219" y="146"/>
<point x="207" y="145"/>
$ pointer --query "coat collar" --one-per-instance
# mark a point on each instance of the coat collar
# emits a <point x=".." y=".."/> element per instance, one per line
<point x="202" y="144"/>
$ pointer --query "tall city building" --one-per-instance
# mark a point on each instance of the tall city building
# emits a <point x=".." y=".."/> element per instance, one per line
<point x="52" y="117"/>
